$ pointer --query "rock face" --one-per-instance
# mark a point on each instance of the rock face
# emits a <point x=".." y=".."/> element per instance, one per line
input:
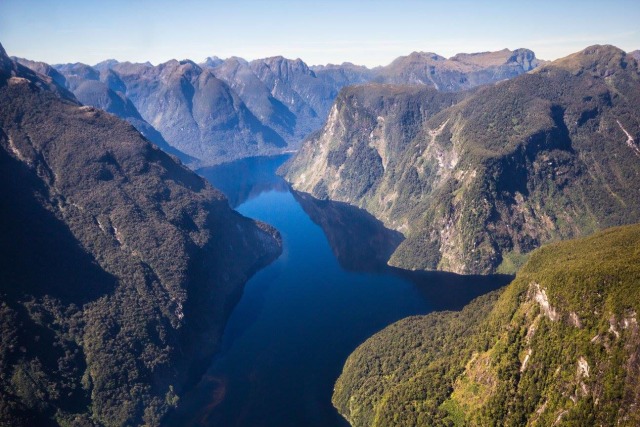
<point x="119" y="265"/>
<point x="462" y="71"/>
<point x="286" y="94"/>
<point x="477" y="179"/>
<point x="558" y="346"/>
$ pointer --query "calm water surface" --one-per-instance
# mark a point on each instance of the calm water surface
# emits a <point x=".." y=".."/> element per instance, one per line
<point x="300" y="317"/>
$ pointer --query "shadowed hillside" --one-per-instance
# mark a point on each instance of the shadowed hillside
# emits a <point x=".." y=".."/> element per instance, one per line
<point x="119" y="265"/>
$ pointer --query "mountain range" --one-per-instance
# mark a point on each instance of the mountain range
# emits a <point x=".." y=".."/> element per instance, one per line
<point x="119" y="265"/>
<point x="462" y="71"/>
<point x="477" y="179"/>
<point x="221" y="110"/>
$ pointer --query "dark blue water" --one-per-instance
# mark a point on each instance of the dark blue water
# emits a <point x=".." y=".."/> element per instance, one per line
<point x="300" y="317"/>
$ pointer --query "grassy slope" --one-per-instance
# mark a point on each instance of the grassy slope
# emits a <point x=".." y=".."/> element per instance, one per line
<point x="468" y="368"/>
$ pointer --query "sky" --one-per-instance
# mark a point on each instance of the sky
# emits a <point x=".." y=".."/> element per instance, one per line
<point x="369" y="33"/>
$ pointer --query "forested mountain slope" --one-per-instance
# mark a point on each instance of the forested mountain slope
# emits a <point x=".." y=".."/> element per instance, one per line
<point x="558" y="346"/>
<point x="119" y="266"/>
<point x="476" y="179"/>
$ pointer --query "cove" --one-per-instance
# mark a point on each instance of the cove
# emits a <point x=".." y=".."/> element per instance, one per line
<point x="299" y="318"/>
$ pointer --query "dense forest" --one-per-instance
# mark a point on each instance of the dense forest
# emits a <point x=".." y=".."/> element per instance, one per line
<point x="119" y="265"/>
<point x="557" y="346"/>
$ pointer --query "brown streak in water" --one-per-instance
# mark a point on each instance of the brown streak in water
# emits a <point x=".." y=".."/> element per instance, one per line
<point x="217" y="396"/>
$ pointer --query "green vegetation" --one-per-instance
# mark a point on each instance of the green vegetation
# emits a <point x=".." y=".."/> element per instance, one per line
<point x="477" y="180"/>
<point x="119" y="265"/>
<point x="556" y="346"/>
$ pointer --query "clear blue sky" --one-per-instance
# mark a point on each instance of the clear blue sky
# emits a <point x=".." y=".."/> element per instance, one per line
<point x="364" y="32"/>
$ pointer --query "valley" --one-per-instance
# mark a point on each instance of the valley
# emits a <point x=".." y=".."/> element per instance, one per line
<point x="437" y="241"/>
<point x="286" y="341"/>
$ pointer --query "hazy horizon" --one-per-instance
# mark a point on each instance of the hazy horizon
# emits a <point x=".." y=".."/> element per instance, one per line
<point x="370" y="33"/>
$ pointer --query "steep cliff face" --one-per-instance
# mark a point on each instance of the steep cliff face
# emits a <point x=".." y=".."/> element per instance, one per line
<point x="119" y="265"/>
<point x="475" y="185"/>
<point x="558" y="346"/>
<point x="367" y="133"/>
<point x="297" y="87"/>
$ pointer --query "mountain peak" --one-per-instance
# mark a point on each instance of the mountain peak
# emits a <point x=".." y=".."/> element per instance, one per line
<point x="426" y="56"/>
<point x="107" y="64"/>
<point x="283" y="65"/>
<point x="212" y="62"/>
<point x="236" y="60"/>
<point x="598" y="60"/>
<point x="6" y="64"/>
<point x="78" y="70"/>
<point x="524" y="57"/>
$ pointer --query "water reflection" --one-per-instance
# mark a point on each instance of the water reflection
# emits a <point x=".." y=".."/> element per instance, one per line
<point x="359" y="241"/>
<point x="246" y="179"/>
<point x="299" y="318"/>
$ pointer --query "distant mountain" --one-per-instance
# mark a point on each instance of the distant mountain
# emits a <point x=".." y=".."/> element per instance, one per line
<point x="635" y="54"/>
<point x="296" y="86"/>
<point x="212" y="61"/>
<point x="105" y="65"/>
<point x="558" y="346"/>
<point x="221" y="110"/>
<point x="345" y="74"/>
<point x="237" y="73"/>
<point x="463" y="71"/>
<point x="194" y="111"/>
<point x="285" y="94"/>
<point x="475" y="180"/>
<point x="84" y="82"/>
<point x="119" y="266"/>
